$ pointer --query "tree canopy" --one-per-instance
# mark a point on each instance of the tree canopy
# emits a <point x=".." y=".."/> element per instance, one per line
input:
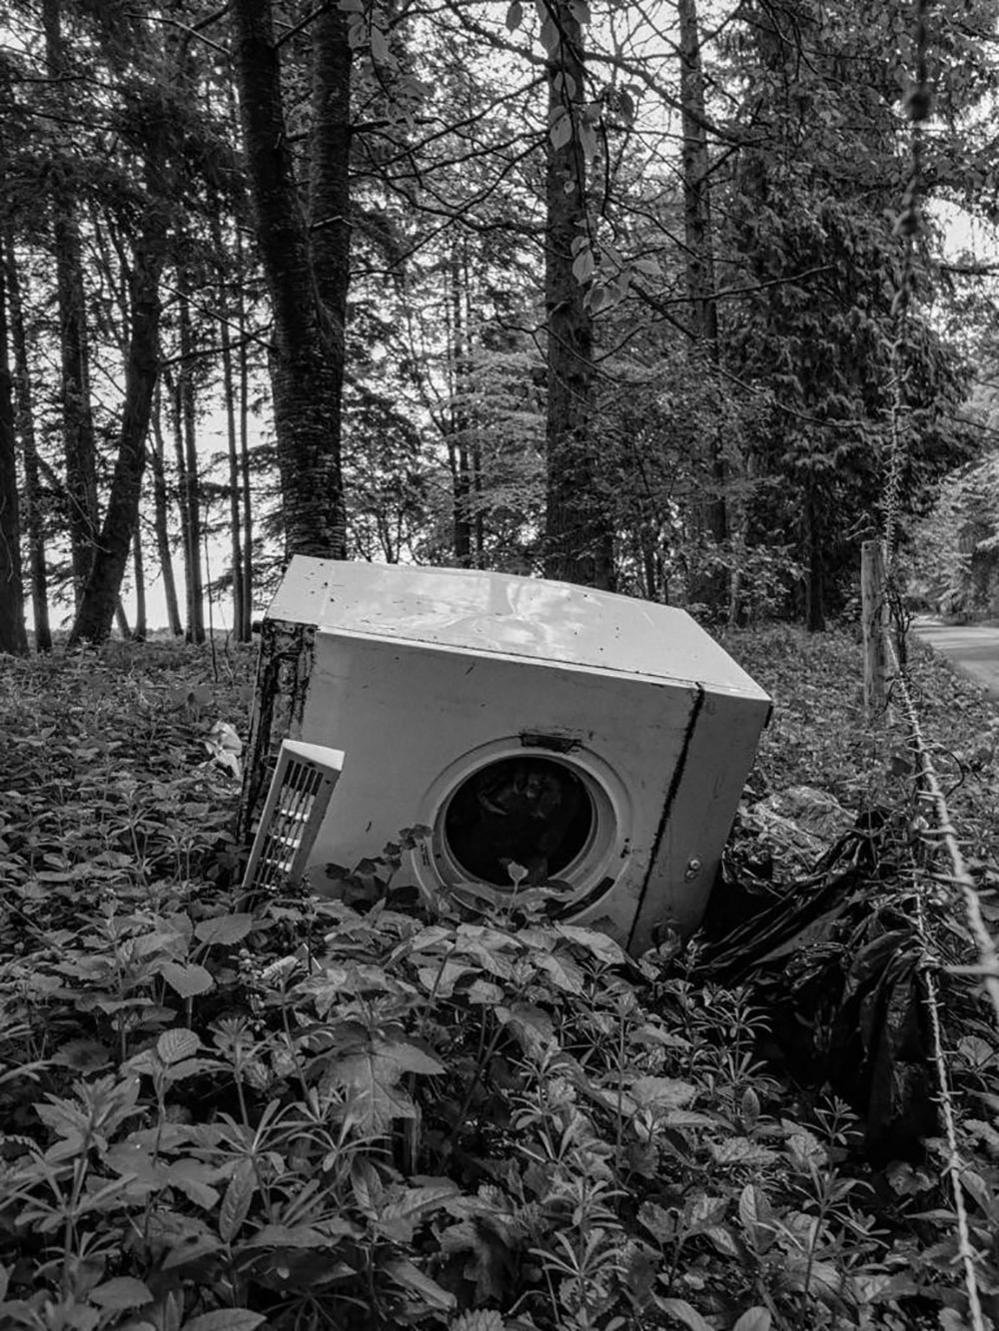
<point x="642" y="295"/>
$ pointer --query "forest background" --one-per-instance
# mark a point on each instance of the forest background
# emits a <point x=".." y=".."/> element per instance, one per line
<point x="642" y="295"/>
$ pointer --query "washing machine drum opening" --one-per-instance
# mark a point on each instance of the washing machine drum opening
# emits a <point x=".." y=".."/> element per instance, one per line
<point x="530" y="811"/>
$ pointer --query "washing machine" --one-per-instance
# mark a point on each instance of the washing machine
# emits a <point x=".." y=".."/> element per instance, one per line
<point x="544" y="733"/>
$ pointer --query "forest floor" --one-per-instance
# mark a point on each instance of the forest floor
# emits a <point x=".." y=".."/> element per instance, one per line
<point x="373" y="1116"/>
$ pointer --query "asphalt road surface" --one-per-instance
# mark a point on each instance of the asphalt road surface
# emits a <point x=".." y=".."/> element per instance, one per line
<point x="971" y="648"/>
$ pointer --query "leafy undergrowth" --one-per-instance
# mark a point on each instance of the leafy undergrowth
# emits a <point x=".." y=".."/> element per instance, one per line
<point x="818" y="735"/>
<point x="317" y="1115"/>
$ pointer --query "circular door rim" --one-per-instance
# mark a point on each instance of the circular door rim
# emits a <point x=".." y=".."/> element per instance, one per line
<point x="598" y="865"/>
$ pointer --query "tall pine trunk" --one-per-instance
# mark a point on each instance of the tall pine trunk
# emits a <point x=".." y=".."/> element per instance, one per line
<point x="97" y="608"/>
<point x="579" y="538"/>
<point x="140" y="627"/>
<point x="458" y="417"/>
<point x="190" y="473"/>
<point x="243" y="424"/>
<point x="305" y="264"/>
<point x="815" y="597"/>
<point x="13" y="636"/>
<point x="161" y="512"/>
<point x="79" y="438"/>
<point x="240" y="624"/>
<point x="707" y="584"/>
<point x="246" y="492"/>
<point x="25" y="424"/>
<point x="245" y="481"/>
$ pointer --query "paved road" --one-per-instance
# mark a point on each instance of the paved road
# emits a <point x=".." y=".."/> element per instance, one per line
<point x="972" y="648"/>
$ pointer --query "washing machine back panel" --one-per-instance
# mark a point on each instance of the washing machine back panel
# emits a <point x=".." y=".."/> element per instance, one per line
<point x="507" y="615"/>
<point x="697" y="818"/>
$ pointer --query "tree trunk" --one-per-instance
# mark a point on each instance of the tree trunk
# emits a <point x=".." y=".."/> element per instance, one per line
<point x="77" y="413"/>
<point x="172" y="385"/>
<point x="187" y="445"/>
<point x="579" y="539"/>
<point x="306" y="267"/>
<point x="13" y="637"/>
<point x="244" y="465"/>
<point x="708" y="585"/>
<point x="162" y="521"/>
<point x="240" y="625"/>
<point x="698" y="234"/>
<point x="815" y="608"/>
<point x="93" y="619"/>
<point x="243" y="363"/>
<point x="457" y="442"/>
<point x="25" y="421"/>
<point x="141" y="626"/>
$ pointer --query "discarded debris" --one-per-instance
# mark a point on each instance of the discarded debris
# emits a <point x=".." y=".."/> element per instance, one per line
<point x="834" y="958"/>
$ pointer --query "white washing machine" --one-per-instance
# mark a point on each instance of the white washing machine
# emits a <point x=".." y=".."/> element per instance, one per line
<point x="543" y="732"/>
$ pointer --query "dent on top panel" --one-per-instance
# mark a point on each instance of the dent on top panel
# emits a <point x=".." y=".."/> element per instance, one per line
<point x="505" y="614"/>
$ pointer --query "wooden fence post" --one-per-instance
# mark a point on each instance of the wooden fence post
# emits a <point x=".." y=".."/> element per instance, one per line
<point x="875" y="625"/>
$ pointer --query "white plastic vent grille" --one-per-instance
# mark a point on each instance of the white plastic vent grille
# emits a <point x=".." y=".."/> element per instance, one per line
<point x="303" y="782"/>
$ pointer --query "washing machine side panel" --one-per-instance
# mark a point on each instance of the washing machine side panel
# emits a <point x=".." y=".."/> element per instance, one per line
<point x="402" y="714"/>
<point x="718" y="756"/>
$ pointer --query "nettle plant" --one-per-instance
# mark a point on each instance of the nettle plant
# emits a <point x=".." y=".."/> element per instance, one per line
<point x="384" y="1110"/>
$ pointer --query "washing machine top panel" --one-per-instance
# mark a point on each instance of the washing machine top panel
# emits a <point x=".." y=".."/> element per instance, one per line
<point x="501" y="614"/>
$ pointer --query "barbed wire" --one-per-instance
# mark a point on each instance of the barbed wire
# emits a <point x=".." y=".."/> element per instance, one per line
<point x="965" y="1251"/>
<point x="942" y="837"/>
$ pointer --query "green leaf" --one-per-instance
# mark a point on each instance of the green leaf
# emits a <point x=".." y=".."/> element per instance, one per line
<point x="485" y="992"/>
<point x="531" y="1025"/>
<point x="372" y="1076"/>
<point x="754" y="1319"/>
<point x="661" y="1092"/>
<point x="602" y="947"/>
<point x="561" y="131"/>
<point x="741" y="1151"/>
<point x="186" y="980"/>
<point x="583" y="265"/>
<point x="194" y="1180"/>
<point x="441" y="979"/>
<point x="412" y="1278"/>
<point x="190" y="1250"/>
<point x="296" y="1236"/>
<point x="756" y="1215"/>
<point x="681" y="1311"/>
<point x="226" y="1319"/>
<point x="597" y="297"/>
<point x="122" y="1292"/>
<point x="398" y="1217"/>
<point x="223" y="929"/>
<point x="550" y="39"/>
<point x="236" y="1202"/>
<point x="481" y="1319"/>
<point x="380" y="52"/>
<point x="81" y="1055"/>
<point x="660" y="1223"/>
<point x="823" y="1280"/>
<point x="177" y="1044"/>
